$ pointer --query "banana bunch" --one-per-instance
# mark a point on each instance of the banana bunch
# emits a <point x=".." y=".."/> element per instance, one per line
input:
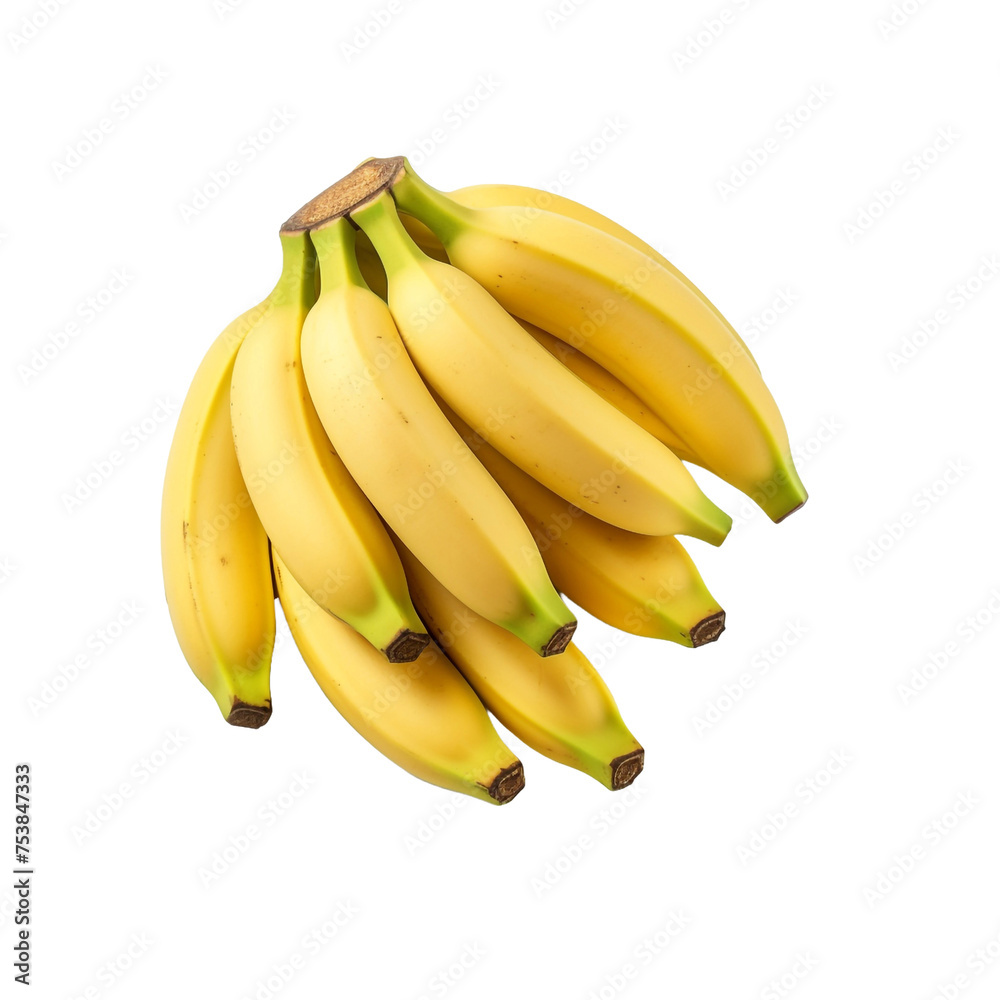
<point x="451" y="412"/>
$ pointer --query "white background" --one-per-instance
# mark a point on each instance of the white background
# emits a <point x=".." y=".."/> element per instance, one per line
<point x="598" y="101"/>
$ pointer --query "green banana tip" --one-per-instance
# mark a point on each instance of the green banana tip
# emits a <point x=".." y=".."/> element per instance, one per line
<point x="714" y="526"/>
<point x="788" y="513"/>
<point x="782" y="496"/>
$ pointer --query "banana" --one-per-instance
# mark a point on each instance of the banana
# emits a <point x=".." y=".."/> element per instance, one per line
<point x="371" y="267"/>
<point x="531" y="200"/>
<point x="216" y="569"/>
<point x="411" y="463"/>
<point x="640" y="584"/>
<point x="633" y="316"/>
<point x="600" y="380"/>
<point x="559" y="707"/>
<point x="521" y="399"/>
<point x="421" y="715"/>
<point x="312" y="510"/>
<point x="615" y="392"/>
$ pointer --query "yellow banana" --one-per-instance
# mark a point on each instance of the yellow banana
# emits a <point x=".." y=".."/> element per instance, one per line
<point x="559" y="707"/>
<point x="411" y="463"/>
<point x="523" y="400"/>
<point x="531" y="200"/>
<point x="328" y="533"/>
<point x="636" y="318"/>
<point x="370" y="265"/>
<point x="615" y="392"/>
<point x="422" y="715"/>
<point x="216" y="570"/>
<point x="642" y="584"/>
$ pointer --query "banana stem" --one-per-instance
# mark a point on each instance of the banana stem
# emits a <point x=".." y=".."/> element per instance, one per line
<point x="380" y="220"/>
<point x="441" y="214"/>
<point x="336" y="250"/>
<point x="297" y="284"/>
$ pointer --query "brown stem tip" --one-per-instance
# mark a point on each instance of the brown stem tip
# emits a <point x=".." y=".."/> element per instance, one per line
<point x="558" y="643"/>
<point x="625" y="769"/>
<point x="708" y="629"/>
<point x="248" y="716"/>
<point x="362" y="184"/>
<point x="407" y="646"/>
<point x="507" y="783"/>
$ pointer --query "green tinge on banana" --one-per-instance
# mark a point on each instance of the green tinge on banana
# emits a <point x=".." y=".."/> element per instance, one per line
<point x="513" y="392"/>
<point x="532" y="200"/>
<point x="313" y="511"/>
<point x="642" y="584"/>
<point x="614" y="391"/>
<point x="216" y="569"/>
<point x="408" y="459"/>
<point x="422" y="715"/>
<point x="560" y="707"/>
<point x="661" y="338"/>
<point x="535" y="347"/>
